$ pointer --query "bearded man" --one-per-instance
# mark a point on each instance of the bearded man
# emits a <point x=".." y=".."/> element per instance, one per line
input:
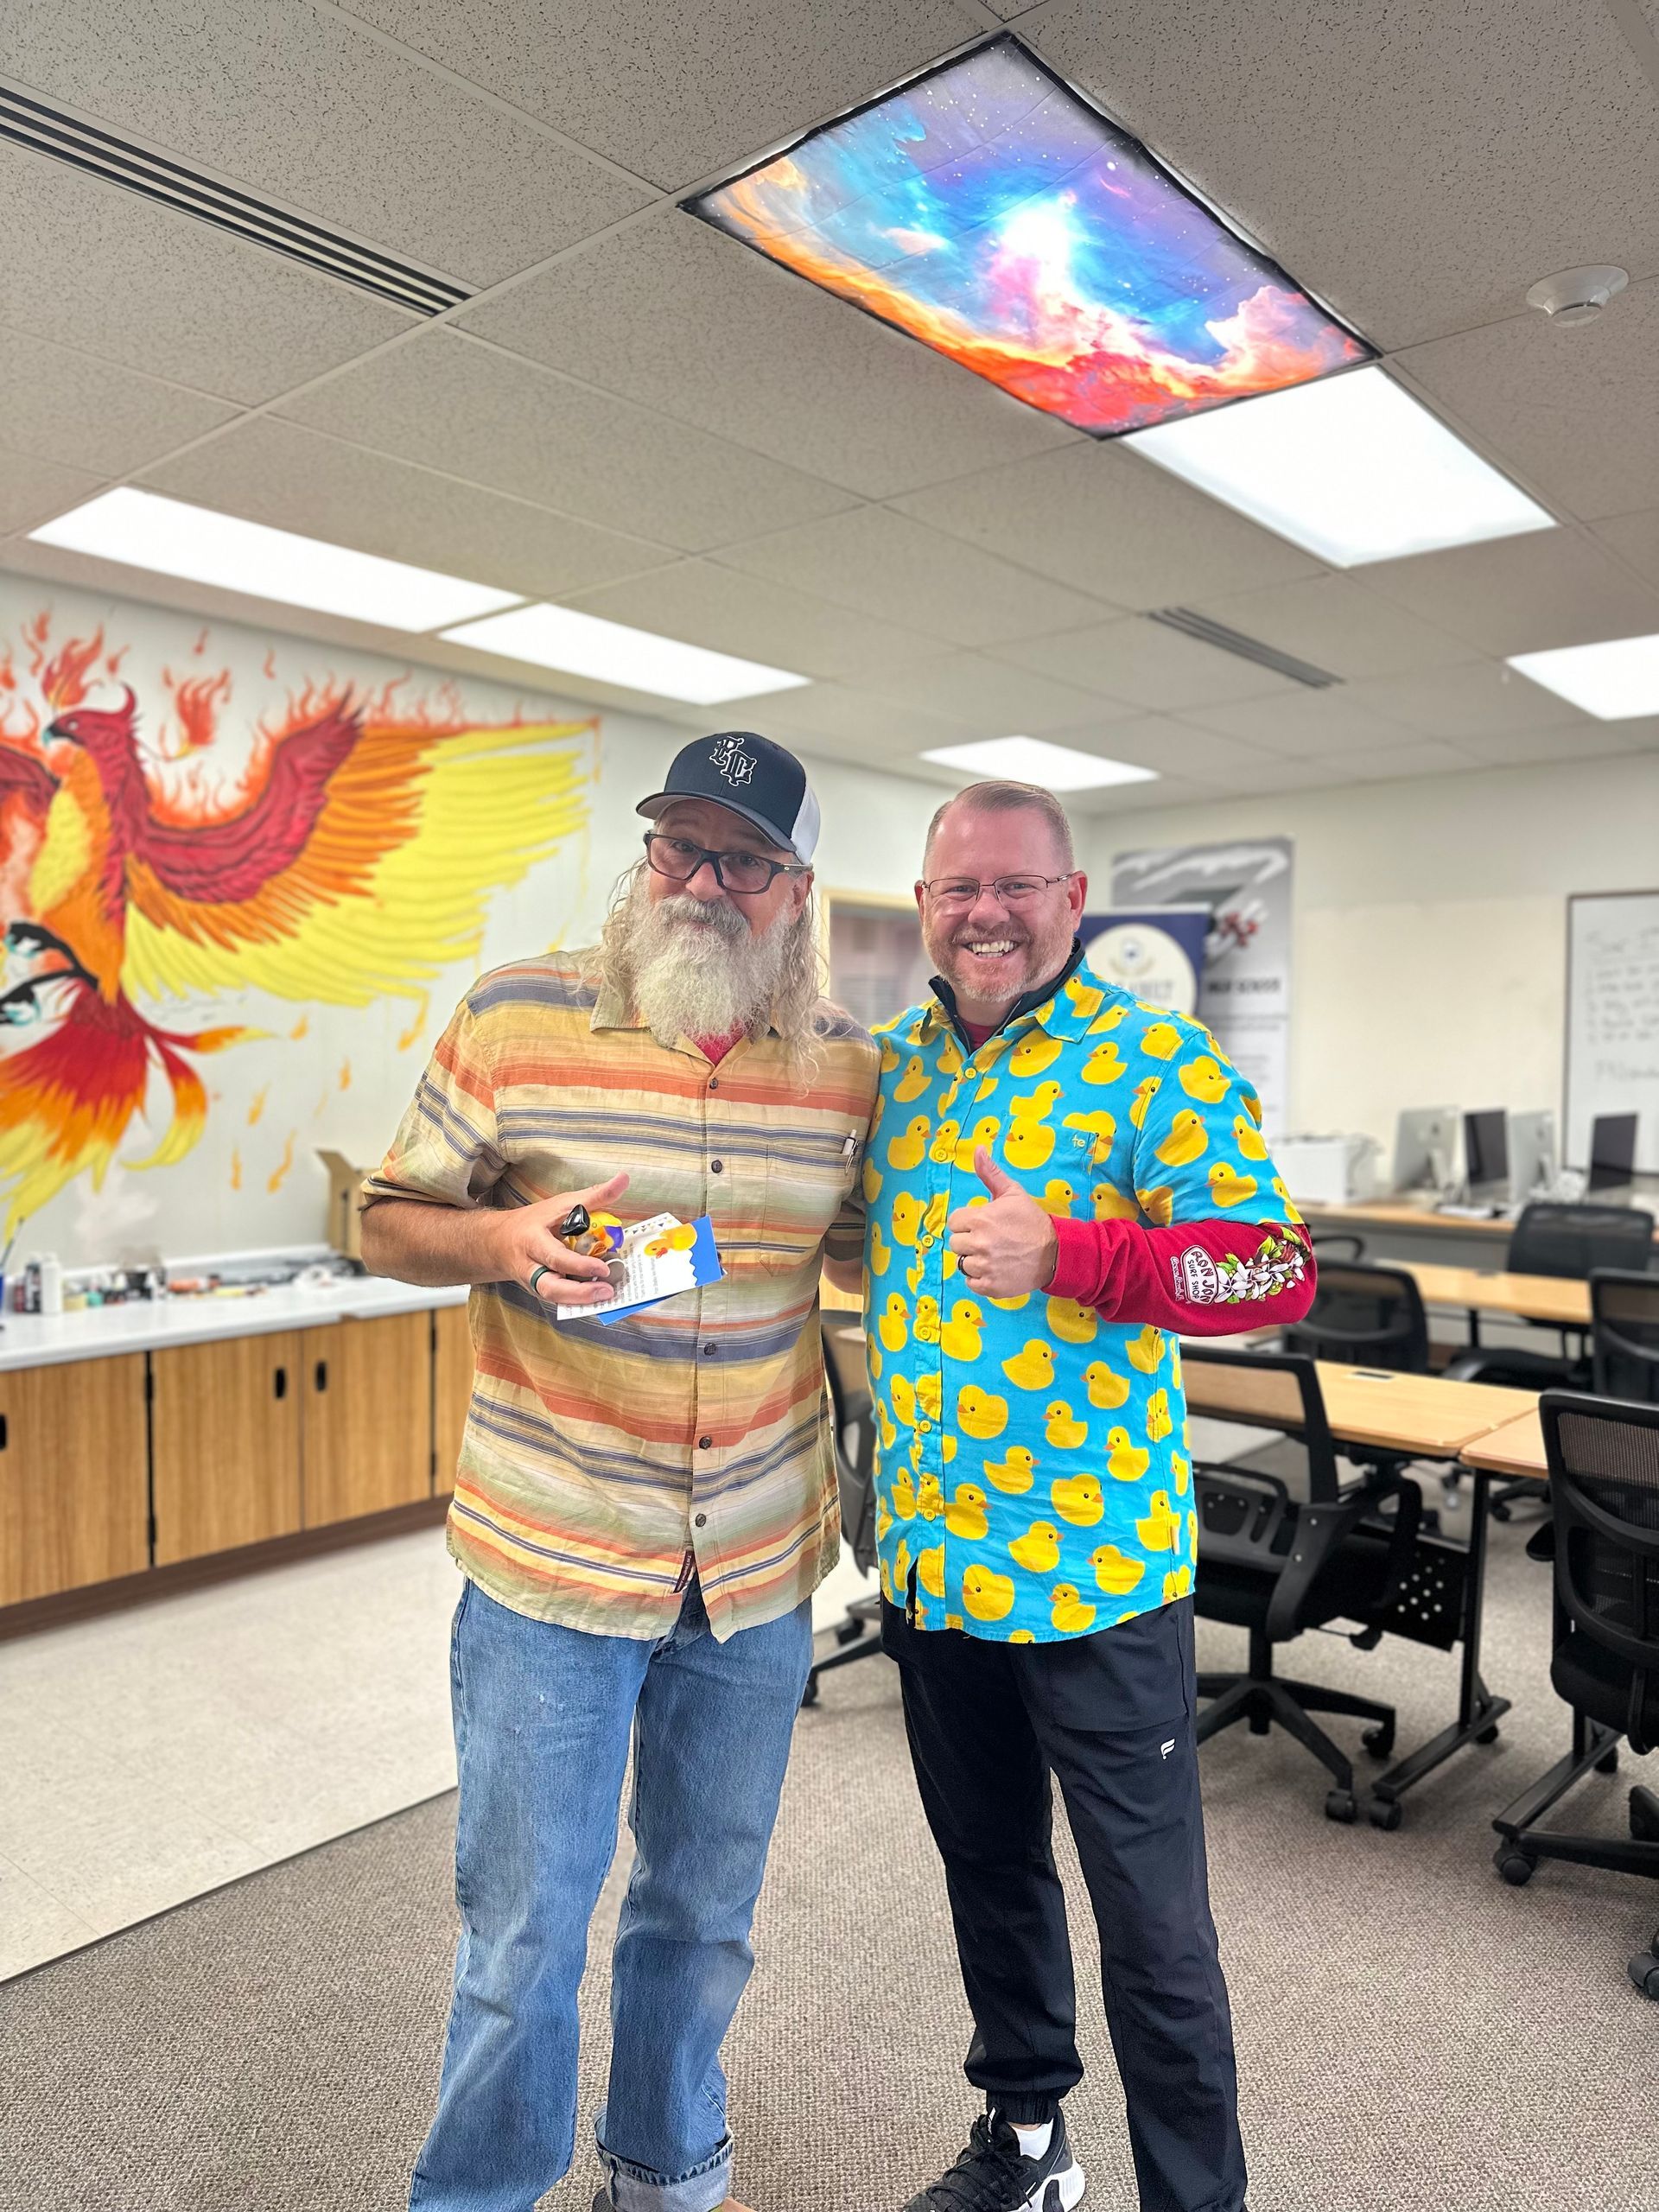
<point x="643" y="1508"/>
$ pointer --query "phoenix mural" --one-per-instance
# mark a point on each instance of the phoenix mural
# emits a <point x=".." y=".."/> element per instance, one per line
<point x="988" y="210"/>
<point x="345" y="850"/>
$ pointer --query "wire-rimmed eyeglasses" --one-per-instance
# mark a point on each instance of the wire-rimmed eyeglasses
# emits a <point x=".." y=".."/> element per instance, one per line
<point x="961" y="891"/>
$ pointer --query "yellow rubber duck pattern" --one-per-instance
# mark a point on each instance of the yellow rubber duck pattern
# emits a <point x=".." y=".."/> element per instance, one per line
<point x="1033" y="1465"/>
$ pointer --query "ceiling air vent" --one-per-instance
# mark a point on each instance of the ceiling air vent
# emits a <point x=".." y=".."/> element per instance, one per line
<point x="1235" y="641"/>
<point x="45" y="131"/>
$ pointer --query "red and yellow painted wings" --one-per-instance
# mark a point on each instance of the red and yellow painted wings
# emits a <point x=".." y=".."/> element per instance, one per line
<point x="361" y="865"/>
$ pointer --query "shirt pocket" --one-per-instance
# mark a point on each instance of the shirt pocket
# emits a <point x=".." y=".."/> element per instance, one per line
<point x="807" y="1175"/>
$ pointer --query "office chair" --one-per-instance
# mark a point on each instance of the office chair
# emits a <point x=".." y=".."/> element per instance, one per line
<point x="1277" y="1565"/>
<point x="858" y="1634"/>
<point x="1603" y="1537"/>
<point x="1366" y="1316"/>
<point x="1555" y="1239"/>
<point x="1624" y="1335"/>
<point x="1326" y="1241"/>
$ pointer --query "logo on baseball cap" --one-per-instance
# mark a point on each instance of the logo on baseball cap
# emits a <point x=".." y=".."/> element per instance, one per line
<point x="754" y="777"/>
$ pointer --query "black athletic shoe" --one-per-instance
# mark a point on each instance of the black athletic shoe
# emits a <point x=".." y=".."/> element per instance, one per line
<point x="991" y="2174"/>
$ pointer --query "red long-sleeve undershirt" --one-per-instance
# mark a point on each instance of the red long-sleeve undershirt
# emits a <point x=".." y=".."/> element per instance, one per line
<point x="1200" y="1278"/>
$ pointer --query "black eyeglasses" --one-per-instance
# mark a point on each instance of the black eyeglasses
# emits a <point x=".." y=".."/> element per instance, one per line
<point x="678" y="858"/>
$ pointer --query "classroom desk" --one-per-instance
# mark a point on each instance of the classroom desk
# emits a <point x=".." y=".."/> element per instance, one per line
<point x="1562" y="1300"/>
<point x="1418" y="1417"/>
<point x="1517" y="1449"/>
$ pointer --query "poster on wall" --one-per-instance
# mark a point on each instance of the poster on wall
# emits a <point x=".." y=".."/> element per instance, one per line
<point x="243" y="879"/>
<point x="1244" y="990"/>
<point x="1156" y="953"/>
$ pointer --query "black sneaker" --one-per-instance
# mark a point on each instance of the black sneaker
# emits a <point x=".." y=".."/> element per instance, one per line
<point x="993" y="2176"/>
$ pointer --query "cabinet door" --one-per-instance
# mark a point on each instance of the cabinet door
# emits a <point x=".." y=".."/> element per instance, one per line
<point x="452" y="1388"/>
<point x="368" y="1416"/>
<point x="226" y="1444"/>
<point x="73" y="1501"/>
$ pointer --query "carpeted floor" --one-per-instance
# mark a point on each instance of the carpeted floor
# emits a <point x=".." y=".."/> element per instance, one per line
<point x="1412" y="2036"/>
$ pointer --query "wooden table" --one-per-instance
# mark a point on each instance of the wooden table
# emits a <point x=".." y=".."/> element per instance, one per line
<point x="1417" y="1416"/>
<point x="1517" y="1449"/>
<point x="1562" y="1300"/>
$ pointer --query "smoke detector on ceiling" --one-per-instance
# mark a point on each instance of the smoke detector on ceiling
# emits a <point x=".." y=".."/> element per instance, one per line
<point x="1575" y="295"/>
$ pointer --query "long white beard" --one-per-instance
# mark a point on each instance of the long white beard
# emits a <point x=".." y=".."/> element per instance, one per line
<point x="697" y="970"/>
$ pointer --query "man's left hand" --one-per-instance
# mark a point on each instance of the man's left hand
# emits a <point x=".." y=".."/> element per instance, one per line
<point x="1008" y="1247"/>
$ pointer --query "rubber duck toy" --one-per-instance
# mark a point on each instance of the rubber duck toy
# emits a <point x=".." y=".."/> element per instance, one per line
<point x="1035" y="1051"/>
<point x="1228" y="1187"/>
<point x="1177" y="1583"/>
<point x="1158" y="1205"/>
<point x="911" y="1084"/>
<point x="1067" y="1611"/>
<point x="930" y="1499"/>
<point x="1145" y="1091"/>
<point x="1161" y="1041"/>
<point x="1187" y="1139"/>
<point x="1125" y="1462"/>
<point x="1013" y="1475"/>
<point x="1039" y="1550"/>
<point x="904" y="1401"/>
<point x="1145" y="1350"/>
<point x="945" y="1139"/>
<point x="905" y="1152"/>
<point x="959" y="1338"/>
<point x="987" y="1596"/>
<point x="926" y="1327"/>
<point x="907" y="1218"/>
<point x="1160" y="1528"/>
<point x="1033" y="1368"/>
<point x="880" y="1251"/>
<point x="1056" y="1200"/>
<point x="1062" y="1432"/>
<point x="1073" y="1324"/>
<point x="930" y="1570"/>
<point x="980" y="1415"/>
<point x="1111" y="1205"/>
<point x="892" y="1326"/>
<point x="903" y="1491"/>
<point x="1204" y="1079"/>
<point x="1078" y="1499"/>
<point x="1159" y="1423"/>
<point x="982" y="1133"/>
<point x="965" y="1514"/>
<point x="1248" y="1138"/>
<point x="1105" y="1388"/>
<point x="1115" y="1573"/>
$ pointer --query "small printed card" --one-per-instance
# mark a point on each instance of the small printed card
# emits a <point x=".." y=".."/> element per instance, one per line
<point x="659" y="1259"/>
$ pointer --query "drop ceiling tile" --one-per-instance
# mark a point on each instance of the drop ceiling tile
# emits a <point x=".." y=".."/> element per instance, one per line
<point x="73" y="408"/>
<point x="885" y="564"/>
<point x="504" y="422"/>
<point x="1429" y="758"/>
<point x="304" y="105"/>
<point x="1113" y="800"/>
<point x="1175" y="750"/>
<point x="1479" y="699"/>
<point x="1561" y="406"/>
<point x="1634" y="538"/>
<point x="1338" y="624"/>
<point x="91" y="266"/>
<point x="676" y="94"/>
<point x="1418" y="165"/>
<point x="756" y="618"/>
<point x="1521" y="594"/>
<point x="1144" y="664"/>
<point x="274" y="472"/>
<point x="1581" y="740"/>
<point x="33" y="491"/>
<point x="998" y="699"/>
<point x="866" y="727"/>
<point x="1096" y="517"/>
<point x="1309" y="725"/>
<point x="673" y="314"/>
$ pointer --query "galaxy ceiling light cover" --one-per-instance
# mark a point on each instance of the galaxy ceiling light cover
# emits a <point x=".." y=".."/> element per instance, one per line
<point x="988" y="210"/>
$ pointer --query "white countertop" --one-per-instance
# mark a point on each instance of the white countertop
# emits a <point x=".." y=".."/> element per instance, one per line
<point x="153" y="1324"/>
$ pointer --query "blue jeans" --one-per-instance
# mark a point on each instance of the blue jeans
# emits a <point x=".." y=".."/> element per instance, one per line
<point x="544" y="1716"/>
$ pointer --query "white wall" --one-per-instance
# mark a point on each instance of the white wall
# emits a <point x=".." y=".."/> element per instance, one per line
<point x="1430" y="925"/>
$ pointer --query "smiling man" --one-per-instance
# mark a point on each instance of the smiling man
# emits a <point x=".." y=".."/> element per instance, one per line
<point x="1064" y="1180"/>
<point x="644" y="1508"/>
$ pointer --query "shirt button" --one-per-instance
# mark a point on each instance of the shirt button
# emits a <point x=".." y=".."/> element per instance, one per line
<point x="705" y="1444"/>
<point x="708" y="1350"/>
<point x="927" y="1244"/>
<point x="716" y="1167"/>
<point x="714" y="1083"/>
<point x="923" y="1426"/>
<point x="701" y="1521"/>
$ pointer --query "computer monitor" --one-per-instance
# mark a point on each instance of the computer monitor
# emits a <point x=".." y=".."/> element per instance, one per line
<point x="1425" y="1148"/>
<point x="1486" y="1151"/>
<point x="1612" y="1151"/>
<point x="1532" y="1156"/>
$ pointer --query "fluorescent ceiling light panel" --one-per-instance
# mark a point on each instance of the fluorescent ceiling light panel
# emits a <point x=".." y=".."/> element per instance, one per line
<point x="1615" y="682"/>
<point x="987" y="209"/>
<point x="611" y="653"/>
<point x="1034" y="760"/>
<point x="173" y="539"/>
<point x="1355" y="470"/>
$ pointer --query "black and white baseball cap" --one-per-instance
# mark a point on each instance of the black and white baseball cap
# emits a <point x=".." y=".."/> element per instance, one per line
<point x="754" y="778"/>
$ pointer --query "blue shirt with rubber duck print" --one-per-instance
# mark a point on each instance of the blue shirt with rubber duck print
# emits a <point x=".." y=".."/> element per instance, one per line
<point x="1033" y="1477"/>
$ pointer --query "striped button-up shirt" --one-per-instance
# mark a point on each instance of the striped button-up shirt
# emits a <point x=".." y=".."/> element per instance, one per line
<point x="604" y="1464"/>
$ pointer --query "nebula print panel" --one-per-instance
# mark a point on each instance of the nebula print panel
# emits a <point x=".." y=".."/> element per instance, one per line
<point x="988" y="211"/>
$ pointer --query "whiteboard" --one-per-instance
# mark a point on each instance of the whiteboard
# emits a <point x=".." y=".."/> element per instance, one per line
<point x="1612" y="1019"/>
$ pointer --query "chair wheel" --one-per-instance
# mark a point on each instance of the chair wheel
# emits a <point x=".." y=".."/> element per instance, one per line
<point x="1643" y="1971"/>
<point x="1341" y="1805"/>
<point x="1387" y="1812"/>
<point x="1608" y="1763"/>
<point x="1379" y="1740"/>
<point x="1488" y="1735"/>
<point x="1499" y="1512"/>
<point x="1515" y="1867"/>
<point x="810" y="1695"/>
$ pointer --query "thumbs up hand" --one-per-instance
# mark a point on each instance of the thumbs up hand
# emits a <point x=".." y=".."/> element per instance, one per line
<point x="1008" y="1245"/>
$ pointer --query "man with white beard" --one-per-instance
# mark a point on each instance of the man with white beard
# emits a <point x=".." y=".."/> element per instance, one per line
<point x="643" y="1508"/>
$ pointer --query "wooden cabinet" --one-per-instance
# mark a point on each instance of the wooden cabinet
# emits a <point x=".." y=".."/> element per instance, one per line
<point x="367" y="1426"/>
<point x="73" y="1502"/>
<point x="452" y="1388"/>
<point x="225" y="1443"/>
